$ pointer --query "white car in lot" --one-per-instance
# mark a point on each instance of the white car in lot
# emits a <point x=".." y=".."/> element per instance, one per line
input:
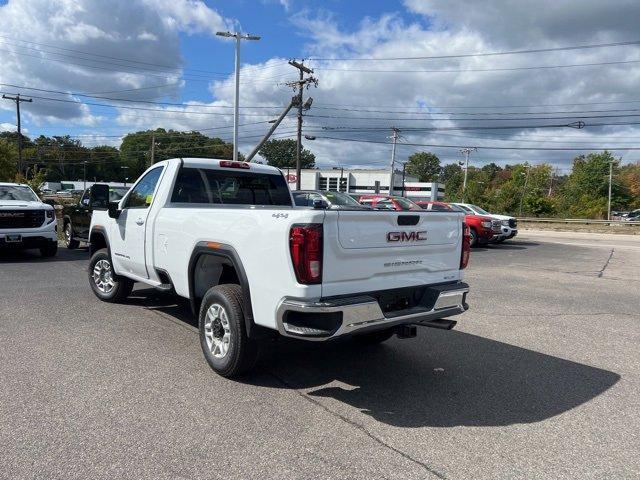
<point x="227" y="236"/>
<point x="25" y="221"/>
<point x="509" y="225"/>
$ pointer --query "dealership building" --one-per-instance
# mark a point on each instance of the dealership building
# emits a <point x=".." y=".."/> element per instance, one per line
<point x="365" y="181"/>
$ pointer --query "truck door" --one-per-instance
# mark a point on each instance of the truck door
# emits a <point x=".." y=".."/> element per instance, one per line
<point x="81" y="217"/>
<point x="128" y="239"/>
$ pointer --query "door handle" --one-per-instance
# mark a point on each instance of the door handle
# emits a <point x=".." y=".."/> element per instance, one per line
<point x="139" y="221"/>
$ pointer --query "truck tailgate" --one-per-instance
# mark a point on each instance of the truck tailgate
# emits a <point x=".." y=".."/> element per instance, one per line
<point x="372" y="250"/>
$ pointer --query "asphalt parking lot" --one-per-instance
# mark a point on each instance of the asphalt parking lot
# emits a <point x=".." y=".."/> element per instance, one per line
<point x="539" y="380"/>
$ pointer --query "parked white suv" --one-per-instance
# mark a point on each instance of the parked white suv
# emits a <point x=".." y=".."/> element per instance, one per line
<point x="227" y="236"/>
<point x="26" y="222"/>
<point x="508" y="225"/>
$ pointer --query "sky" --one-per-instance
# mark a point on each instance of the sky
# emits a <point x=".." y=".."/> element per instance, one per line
<point x="97" y="70"/>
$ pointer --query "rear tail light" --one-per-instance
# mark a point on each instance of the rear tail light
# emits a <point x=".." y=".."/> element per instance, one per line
<point x="466" y="246"/>
<point x="232" y="164"/>
<point x="305" y="243"/>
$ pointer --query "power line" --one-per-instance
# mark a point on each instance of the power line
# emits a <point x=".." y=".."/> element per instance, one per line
<point x="499" y="69"/>
<point x="483" y="54"/>
<point x="342" y="117"/>
<point x="483" y="148"/>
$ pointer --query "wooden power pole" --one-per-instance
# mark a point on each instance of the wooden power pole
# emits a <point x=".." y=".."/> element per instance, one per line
<point x="18" y="99"/>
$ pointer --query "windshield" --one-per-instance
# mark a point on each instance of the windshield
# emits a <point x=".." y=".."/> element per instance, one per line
<point x="17" y="192"/>
<point x="480" y="210"/>
<point x="407" y="204"/>
<point x="456" y="208"/>
<point x="342" y="199"/>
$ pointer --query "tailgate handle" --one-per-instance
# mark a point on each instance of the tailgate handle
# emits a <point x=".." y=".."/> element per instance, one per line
<point x="408" y="219"/>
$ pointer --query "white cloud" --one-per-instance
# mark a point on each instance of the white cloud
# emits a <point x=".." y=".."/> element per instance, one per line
<point x="78" y="46"/>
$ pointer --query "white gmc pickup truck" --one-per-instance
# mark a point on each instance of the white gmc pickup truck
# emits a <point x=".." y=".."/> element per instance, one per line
<point x="227" y="236"/>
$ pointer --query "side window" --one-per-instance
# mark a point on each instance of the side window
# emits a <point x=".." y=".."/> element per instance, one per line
<point x="142" y="194"/>
<point x="302" y="200"/>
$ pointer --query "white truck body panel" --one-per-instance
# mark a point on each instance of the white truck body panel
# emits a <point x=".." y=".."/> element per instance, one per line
<point x="357" y="256"/>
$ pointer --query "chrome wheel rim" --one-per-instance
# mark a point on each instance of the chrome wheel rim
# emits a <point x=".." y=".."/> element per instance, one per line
<point x="103" y="276"/>
<point x="67" y="233"/>
<point x="217" y="332"/>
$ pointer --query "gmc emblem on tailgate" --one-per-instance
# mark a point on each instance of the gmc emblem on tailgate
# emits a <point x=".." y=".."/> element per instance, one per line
<point x="406" y="236"/>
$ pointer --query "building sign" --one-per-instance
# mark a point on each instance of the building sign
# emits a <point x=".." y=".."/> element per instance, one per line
<point x="291" y="178"/>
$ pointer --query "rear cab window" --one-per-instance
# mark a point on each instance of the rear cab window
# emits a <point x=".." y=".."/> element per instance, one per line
<point x="230" y="187"/>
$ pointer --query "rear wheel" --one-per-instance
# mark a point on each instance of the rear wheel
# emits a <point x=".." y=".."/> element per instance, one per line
<point x="223" y="333"/>
<point x="373" y="338"/>
<point x="106" y="285"/>
<point x="69" y="241"/>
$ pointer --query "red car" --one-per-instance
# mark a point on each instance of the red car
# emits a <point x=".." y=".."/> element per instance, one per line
<point x="389" y="202"/>
<point x="482" y="229"/>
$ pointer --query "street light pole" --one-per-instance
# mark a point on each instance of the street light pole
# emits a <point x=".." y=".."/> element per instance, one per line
<point x="394" y="136"/>
<point x="236" y="104"/>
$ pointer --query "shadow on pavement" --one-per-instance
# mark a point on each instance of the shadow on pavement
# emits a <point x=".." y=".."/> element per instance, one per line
<point x="439" y="379"/>
<point x="16" y="256"/>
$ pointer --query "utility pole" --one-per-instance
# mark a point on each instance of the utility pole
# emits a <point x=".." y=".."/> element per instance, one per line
<point x="524" y="190"/>
<point x="271" y="130"/>
<point x="610" y="181"/>
<point x="466" y="151"/>
<point x="395" y="133"/>
<point x="18" y="99"/>
<point x="236" y="105"/>
<point x="84" y="175"/>
<point x="153" y="148"/>
<point x="300" y="84"/>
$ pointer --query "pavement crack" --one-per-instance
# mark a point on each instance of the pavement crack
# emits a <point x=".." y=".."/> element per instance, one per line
<point x="431" y="470"/>
<point x="606" y="264"/>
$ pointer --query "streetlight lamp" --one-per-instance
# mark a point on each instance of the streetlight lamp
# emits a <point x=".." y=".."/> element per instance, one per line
<point x="236" y="104"/>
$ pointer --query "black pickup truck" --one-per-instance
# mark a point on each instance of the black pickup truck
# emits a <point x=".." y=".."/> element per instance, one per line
<point x="77" y="218"/>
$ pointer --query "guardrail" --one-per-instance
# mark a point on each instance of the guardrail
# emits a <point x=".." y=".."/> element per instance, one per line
<point x="580" y="221"/>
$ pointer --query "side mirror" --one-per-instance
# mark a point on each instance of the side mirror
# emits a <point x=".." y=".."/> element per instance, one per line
<point x="320" y="204"/>
<point x="113" y="210"/>
<point x="100" y="196"/>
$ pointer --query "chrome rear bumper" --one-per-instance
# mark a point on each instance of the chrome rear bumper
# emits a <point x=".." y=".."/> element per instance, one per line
<point x="360" y="313"/>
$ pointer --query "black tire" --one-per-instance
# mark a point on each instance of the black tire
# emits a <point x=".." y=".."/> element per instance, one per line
<point x="122" y="286"/>
<point x="69" y="241"/>
<point x="373" y="338"/>
<point x="241" y="352"/>
<point x="474" y="237"/>
<point x="49" y="250"/>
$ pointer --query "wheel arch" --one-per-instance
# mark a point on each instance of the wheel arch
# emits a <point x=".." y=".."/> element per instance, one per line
<point x="214" y="264"/>
<point x="98" y="239"/>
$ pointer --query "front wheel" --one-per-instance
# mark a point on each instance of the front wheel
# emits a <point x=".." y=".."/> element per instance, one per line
<point x="106" y="285"/>
<point x="473" y="240"/>
<point x="69" y="241"/>
<point x="223" y="333"/>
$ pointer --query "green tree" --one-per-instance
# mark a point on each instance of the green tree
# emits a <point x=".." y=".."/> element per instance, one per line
<point x="452" y="177"/>
<point x="135" y="151"/>
<point x="8" y="157"/>
<point x="585" y="192"/>
<point x="282" y="154"/>
<point x="425" y="166"/>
